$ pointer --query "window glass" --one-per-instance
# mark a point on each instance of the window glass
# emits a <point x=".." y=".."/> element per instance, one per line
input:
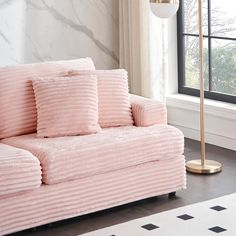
<point x="219" y="29"/>
<point x="191" y="16"/>
<point x="223" y="18"/>
<point x="224" y="66"/>
<point x="192" y="62"/>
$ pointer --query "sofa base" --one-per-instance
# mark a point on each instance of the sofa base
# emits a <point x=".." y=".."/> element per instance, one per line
<point x="51" y="203"/>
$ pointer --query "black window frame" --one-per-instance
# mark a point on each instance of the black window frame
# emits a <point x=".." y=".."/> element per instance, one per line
<point x="181" y="57"/>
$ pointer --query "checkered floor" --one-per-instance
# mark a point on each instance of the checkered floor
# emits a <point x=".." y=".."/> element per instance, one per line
<point x="214" y="217"/>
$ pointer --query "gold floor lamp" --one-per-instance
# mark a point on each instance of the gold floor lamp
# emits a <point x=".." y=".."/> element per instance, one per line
<point x="166" y="9"/>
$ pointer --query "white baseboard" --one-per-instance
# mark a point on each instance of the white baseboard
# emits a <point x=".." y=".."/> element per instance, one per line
<point x="214" y="139"/>
<point x="220" y="128"/>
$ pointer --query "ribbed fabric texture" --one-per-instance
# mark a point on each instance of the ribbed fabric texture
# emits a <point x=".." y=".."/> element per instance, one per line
<point x="65" y="200"/>
<point x="69" y="158"/>
<point x="19" y="170"/>
<point x="66" y="106"/>
<point x="147" y="112"/>
<point x="17" y="104"/>
<point x="113" y="97"/>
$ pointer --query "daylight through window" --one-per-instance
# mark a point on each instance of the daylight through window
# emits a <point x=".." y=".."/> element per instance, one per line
<point x="219" y="28"/>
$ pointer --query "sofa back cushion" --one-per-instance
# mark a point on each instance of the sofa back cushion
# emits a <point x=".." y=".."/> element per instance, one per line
<point x="113" y="97"/>
<point x="66" y="106"/>
<point x="17" y="103"/>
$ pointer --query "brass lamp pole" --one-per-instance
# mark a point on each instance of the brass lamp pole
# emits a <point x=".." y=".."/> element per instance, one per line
<point x="166" y="9"/>
<point x="202" y="166"/>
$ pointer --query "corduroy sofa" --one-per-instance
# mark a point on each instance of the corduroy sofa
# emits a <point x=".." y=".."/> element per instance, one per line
<point x="43" y="180"/>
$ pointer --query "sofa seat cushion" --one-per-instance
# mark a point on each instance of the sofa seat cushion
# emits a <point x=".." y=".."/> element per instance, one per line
<point x="68" y="158"/>
<point x="19" y="170"/>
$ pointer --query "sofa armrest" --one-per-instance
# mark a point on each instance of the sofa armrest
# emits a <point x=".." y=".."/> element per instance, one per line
<point x="147" y="112"/>
<point x="19" y="170"/>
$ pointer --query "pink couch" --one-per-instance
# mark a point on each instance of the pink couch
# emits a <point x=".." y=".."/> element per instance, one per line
<point x="47" y="180"/>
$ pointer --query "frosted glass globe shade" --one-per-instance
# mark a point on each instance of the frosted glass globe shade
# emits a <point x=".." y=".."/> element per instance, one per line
<point x="164" y="10"/>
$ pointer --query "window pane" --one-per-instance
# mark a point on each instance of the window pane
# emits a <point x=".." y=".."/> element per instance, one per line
<point x="223" y="18"/>
<point x="192" y="62"/>
<point x="224" y="66"/>
<point x="191" y="17"/>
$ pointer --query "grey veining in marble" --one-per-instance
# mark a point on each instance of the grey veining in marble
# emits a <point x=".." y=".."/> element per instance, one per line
<point x="4" y="37"/>
<point x="4" y="3"/>
<point x="40" y="30"/>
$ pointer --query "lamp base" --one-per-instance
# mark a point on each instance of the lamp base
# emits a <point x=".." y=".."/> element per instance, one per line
<point x="210" y="167"/>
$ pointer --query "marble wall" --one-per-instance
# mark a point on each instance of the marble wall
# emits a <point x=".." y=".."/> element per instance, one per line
<point x="41" y="30"/>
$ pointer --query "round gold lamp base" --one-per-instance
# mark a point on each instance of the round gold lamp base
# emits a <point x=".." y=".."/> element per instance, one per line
<point x="210" y="167"/>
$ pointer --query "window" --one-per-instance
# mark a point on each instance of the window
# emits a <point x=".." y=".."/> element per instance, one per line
<point x="219" y="29"/>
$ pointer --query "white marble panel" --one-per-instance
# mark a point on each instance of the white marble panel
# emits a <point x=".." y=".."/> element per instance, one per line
<point x="60" y="29"/>
<point x="12" y="28"/>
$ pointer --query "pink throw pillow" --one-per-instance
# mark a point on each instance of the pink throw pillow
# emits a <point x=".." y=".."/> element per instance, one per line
<point x="113" y="97"/>
<point x="66" y="106"/>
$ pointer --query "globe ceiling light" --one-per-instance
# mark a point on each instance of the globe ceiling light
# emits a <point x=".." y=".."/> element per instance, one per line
<point x="164" y="8"/>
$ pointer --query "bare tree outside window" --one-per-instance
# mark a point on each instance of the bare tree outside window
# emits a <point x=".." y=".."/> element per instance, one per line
<point x="219" y="28"/>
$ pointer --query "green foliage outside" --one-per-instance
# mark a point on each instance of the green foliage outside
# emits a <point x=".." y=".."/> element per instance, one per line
<point x="223" y="52"/>
<point x="223" y="69"/>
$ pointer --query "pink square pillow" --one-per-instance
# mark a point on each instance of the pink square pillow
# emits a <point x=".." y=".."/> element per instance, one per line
<point x="113" y="96"/>
<point x="66" y="106"/>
